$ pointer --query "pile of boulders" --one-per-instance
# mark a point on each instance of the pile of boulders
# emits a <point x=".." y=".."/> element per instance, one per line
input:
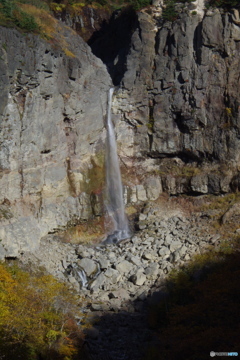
<point x="113" y="276"/>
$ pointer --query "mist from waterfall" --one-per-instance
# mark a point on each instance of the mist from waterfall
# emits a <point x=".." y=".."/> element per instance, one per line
<point x="114" y="188"/>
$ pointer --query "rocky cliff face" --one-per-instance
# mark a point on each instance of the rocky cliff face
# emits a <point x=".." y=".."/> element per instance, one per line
<point x="52" y="109"/>
<point x="178" y="102"/>
<point x="176" y="114"/>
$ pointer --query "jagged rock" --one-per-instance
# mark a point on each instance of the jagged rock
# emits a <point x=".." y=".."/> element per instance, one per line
<point x="142" y="225"/>
<point x="154" y="187"/>
<point x="141" y="193"/>
<point x="164" y="252"/>
<point x="120" y="294"/>
<point x="99" y="306"/>
<point x="141" y="294"/>
<point x="134" y="260"/>
<point x="168" y="239"/>
<point x="152" y="270"/>
<point x="182" y="251"/>
<point x="176" y="133"/>
<point x="233" y="211"/>
<point x="115" y="304"/>
<point x="104" y="263"/>
<point x="135" y="239"/>
<point x="112" y="257"/>
<point x="98" y="282"/>
<point x="113" y="274"/>
<point x="199" y="184"/>
<point x="175" y="245"/>
<point x="124" y="267"/>
<point x="214" y="238"/>
<point x="88" y="265"/>
<point x="142" y="217"/>
<point x="139" y="278"/>
<point x="148" y="255"/>
<point x="64" y="264"/>
<point x="178" y="115"/>
<point x="103" y="297"/>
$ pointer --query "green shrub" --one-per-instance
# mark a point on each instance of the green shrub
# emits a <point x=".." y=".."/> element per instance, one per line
<point x="14" y="15"/>
<point x="139" y="4"/>
<point x="7" y="7"/>
<point x="24" y="21"/>
<point x="37" y="3"/>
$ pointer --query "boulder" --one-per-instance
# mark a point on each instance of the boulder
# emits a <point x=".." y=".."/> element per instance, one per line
<point x="164" y="252"/>
<point x="153" y="187"/>
<point x="121" y="294"/>
<point x="113" y="275"/>
<point x="152" y="271"/>
<point x="98" y="282"/>
<point x="148" y="255"/>
<point x="175" y="245"/>
<point x="88" y="265"/>
<point x="124" y="267"/>
<point x="103" y="262"/>
<point x="139" y="278"/>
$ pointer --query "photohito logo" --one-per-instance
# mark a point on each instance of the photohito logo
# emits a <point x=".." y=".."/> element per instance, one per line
<point x="213" y="353"/>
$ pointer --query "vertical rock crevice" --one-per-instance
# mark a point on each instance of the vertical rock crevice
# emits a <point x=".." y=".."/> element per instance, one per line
<point x="113" y="41"/>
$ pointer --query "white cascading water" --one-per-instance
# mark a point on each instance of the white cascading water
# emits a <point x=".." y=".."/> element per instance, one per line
<point x="114" y="188"/>
<point x="80" y="276"/>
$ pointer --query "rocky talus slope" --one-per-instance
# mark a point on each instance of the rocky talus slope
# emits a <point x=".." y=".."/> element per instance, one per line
<point x="121" y="280"/>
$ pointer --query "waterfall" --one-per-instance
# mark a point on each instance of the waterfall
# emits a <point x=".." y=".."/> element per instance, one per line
<point x="80" y="276"/>
<point x="114" y="188"/>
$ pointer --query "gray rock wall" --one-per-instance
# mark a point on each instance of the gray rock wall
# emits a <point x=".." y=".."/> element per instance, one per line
<point x="52" y="110"/>
<point x="179" y="99"/>
<point x="176" y="115"/>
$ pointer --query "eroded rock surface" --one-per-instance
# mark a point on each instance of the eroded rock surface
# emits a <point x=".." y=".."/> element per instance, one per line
<point x="52" y="124"/>
<point x="178" y="101"/>
<point x="176" y="116"/>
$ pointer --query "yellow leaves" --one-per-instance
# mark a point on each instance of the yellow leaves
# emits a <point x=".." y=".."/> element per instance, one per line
<point x="68" y="350"/>
<point x="52" y="336"/>
<point x="228" y="111"/>
<point x="6" y="280"/>
<point x="69" y="53"/>
<point x="57" y="7"/>
<point x="33" y="311"/>
<point x="44" y="20"/>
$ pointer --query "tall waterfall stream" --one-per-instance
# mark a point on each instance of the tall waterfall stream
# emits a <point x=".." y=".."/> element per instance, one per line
<point x="114" y="188"/>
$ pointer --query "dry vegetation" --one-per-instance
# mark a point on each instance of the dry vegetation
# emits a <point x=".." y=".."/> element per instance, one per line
<point x="34" y="16"/>
<point x="37" y="317"/>
<point x="87" y="232"/>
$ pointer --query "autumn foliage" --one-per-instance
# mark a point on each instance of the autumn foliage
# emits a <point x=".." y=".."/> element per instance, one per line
<point x="36" y="317"/>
